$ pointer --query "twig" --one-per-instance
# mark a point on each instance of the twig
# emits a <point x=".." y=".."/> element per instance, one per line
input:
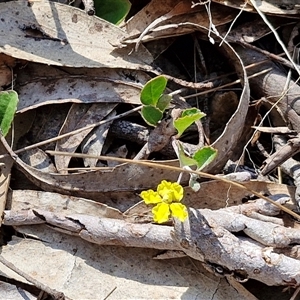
<point x="106" y="297"/>
<point x="227" y="84"/>
<point x="177" y="169"/>
<point x="290" y="149"/>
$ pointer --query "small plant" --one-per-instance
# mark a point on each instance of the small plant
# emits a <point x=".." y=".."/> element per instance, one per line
<point x="154" y="101"/>
<point x="8" y="106"/>
<point x="168" y="195"/>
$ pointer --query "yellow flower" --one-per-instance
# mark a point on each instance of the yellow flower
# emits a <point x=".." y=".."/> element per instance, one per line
<point x="166" y="198"/>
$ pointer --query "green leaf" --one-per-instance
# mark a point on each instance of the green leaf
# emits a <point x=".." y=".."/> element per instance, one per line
<point x="183" y="158"/>
<point x="204" y="156"/>
<point x="153" y="89"/>
<point x="163" y="102"/>
<point x="151" y="115"/>
<point x="113" y="11"/>
<point x="8" y="106"/>
<point x="188" y="117"/>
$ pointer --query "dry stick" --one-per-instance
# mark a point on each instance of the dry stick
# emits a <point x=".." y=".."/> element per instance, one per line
<point x="106" y="297"/>
<point x="177" y="169"/>
<point x="271" y="55"/>
<point x="232" y="23"/>
<point x="56" y="295"/>
<point x="291" y="148"/>
<point x="268" y="54"/>
<point x="227" y="84"/>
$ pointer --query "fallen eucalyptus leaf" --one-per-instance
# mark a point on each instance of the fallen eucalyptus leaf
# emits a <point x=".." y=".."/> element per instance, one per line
<point x="57" y="34"/>
<point x="79" y="115"/>
<point x="121" y="273"/>
<point x="23" y="200"/>
<point x="168" y="24"/>
<point x="94" y="142"/>
<point x="72" y="89"/>
<point x="92" y="184"/>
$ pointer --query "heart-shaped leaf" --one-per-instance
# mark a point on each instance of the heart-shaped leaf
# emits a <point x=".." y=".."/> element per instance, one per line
<point x="188" y="117"/>
<point x="204" y="156"/>
<point x="153" y="89"/>
<point x="151" y="114"/>
<point x="8" y="106"/>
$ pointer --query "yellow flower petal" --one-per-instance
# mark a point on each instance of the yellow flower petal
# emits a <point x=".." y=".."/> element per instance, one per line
<point x="150" y="197"/>
<point x="177" y="191"/>
<point x="161" y="213"/>
<point x="179" y="211"/>
<point x="169" y="191"/>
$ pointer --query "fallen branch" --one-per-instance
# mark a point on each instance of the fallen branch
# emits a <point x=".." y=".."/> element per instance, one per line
<point x="206" y="236"/>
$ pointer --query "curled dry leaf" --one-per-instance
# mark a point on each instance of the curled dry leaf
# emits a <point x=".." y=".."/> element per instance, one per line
<point x="79" y="116"/>
<point x="94" y="142"/>
<point x="38" y="159"/>
<point x="227" y="142"/>
<point x="137" y="24"/>
<point x="92" y="184"/>
<point x="168" y="25"/>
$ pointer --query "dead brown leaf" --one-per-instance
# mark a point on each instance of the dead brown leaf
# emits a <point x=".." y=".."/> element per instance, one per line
<point x="79" y="115"/>
<point x="62" y="35"/>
